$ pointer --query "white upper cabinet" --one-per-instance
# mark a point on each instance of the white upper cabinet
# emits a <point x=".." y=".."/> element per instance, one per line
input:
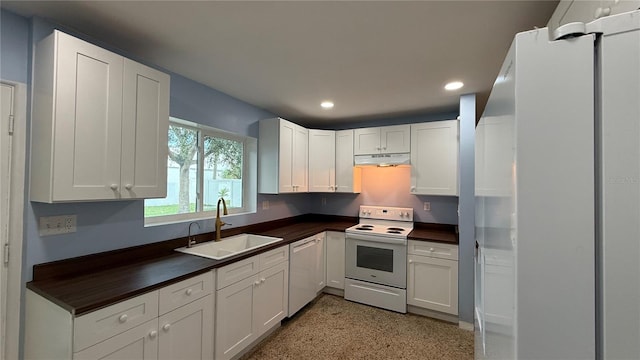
<point x="282" y="157"/>
<point x="382" y="140"/>
<point x="348" y="177"/>
<point x="99" y="128"/>
<point x="322" y="164"/>
<point x="435" y="158"/>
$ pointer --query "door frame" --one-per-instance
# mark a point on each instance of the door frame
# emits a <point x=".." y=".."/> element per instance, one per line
<point x="16" y="222"/>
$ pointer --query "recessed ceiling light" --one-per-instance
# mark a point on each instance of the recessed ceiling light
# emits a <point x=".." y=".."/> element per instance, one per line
<point x="326" y="104"/>
<point x="454" y="85"/>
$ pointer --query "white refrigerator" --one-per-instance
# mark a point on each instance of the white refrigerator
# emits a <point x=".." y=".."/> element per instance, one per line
<point x="558" y="197"/>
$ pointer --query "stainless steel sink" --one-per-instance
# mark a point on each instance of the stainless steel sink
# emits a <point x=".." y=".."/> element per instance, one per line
<point x="229" y="246"/>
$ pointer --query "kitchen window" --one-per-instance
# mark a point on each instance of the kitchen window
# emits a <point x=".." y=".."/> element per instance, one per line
<point x="203" y="165"/>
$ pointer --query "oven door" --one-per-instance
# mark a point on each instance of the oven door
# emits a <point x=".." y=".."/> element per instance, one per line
<point x="376" y="259"/>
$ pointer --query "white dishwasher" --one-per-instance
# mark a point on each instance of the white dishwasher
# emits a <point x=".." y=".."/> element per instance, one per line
<point x="302" y="273"/>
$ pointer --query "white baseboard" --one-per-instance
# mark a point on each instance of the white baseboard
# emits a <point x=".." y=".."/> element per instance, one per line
<point x="432" y="314"/>
<point x="333" y="291"/>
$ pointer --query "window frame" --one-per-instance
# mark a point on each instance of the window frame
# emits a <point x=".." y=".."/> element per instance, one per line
<point x="249" y="175"/>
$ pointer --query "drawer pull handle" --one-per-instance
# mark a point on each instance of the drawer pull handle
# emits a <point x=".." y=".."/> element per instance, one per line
<point x="188" y="292"/>
<point x="123" y="318"/>
<point x="153" y="334"/>
<point x="166" y="327"/>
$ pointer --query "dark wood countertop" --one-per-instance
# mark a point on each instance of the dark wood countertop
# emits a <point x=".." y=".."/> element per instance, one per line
<point x="88" y="283"/>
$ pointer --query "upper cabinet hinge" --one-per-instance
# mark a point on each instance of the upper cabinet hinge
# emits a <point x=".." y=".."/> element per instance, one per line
<point x="11" y="124"/>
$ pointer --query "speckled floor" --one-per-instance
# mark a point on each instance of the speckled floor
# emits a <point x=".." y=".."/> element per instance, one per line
<point x="333" y="328"/>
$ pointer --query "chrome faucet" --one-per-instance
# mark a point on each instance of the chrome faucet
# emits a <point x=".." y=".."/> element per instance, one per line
<point x="220" y="223"/>
<point x="191" y="241"/>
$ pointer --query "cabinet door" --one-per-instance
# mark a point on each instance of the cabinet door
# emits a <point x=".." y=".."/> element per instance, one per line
<point x="433" y="284"/>
<point x="366" y="141"/>
<point x="145" y="122"/>
<point x="140" y="342"/>
<point x="322" y="164"/>
<point x="271" y="297"/>
<point x="434" y="158"/>
<point x="286" y="156"/>
<point x="321" y="274"/>
<point x="300" y="169"/>
<point x="88" y="119"/>
<point x="335" y="259"/>
<point x="395" y="139"/>
<point x="234" y="318"/>
<point x="187" y="332"/>
<point x="348" y="178"/>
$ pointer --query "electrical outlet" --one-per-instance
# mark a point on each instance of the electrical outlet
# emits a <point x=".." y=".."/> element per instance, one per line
<point x="56" y="225"/>
<point x="427" y="206"/>
<point x="324" y="201"/>
<point x="265" y="204"/>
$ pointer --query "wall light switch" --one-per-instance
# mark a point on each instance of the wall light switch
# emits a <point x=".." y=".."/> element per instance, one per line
<point x="427" y="206"/>
<point x="324" y="201"/>
<point x="265" y="204"/>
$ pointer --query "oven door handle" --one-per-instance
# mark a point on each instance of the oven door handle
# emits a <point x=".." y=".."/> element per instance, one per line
<point x="376" y="238"/>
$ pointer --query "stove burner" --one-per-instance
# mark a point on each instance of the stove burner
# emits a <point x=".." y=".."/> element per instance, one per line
<point x="364" y="228"/>
<point x="395" y="229"/>
<point x="393" y="232"/>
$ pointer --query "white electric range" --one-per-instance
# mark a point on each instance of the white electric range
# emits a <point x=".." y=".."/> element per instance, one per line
<point x="376" y="257"/>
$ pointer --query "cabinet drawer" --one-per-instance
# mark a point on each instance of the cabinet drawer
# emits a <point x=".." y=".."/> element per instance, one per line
<point x="105" y="323"/>
<point x="437" y="250"/>
<point x="186" y="291"/>
<point x="274" y="257"/>
<point x="237" y="271"/>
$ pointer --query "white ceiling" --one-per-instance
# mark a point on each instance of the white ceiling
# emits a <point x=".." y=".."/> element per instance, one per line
<point x="374" y="59"/>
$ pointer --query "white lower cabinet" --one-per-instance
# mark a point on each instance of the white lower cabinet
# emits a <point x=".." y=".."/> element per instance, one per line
<point x="432" y="276"/>
<point x="175" y="322"/>
<point x="335" y="259"/>
<point x="248" y="308"/>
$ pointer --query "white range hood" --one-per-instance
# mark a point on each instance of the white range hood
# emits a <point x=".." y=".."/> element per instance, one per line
<point x="382" y="159"/>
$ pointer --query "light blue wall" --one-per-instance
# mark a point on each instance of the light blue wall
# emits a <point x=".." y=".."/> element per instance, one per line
<point x="14" y="51"/>
<point x="466" y="251"/>
<point x="103" y="226"/>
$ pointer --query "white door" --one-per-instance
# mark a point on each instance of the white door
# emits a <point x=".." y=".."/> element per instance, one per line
<point x="322" y="160"/>
<point x="5" y="163"/>
<point x="335" y="259"/>
<point x="395" y="139"/>
<point x="234" y="318"/>
<point x="187" y="332"/>
<point x="271" y="297"/>
<point x="300" y="159"/>
<point x="434" y="158"/>
<point x="285" y="175"/>
<point x="348" y="178"/>
<point x="366" y="141"/>
<point x="88" y="120"/>
<point x="145" y="121"/>
<point x="432" y="283"/>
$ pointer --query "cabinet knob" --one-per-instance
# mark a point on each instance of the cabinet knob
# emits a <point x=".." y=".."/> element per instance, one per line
<point x="166" y="327"/>
<point x="188" y="292"/>
<point x="114" y="187"/>
<point x="256" y="283"/>
<point x="123" y="318"/>
<point x="384" y="148"/>
<point x="431" y="249"/>
<point x="153" y="334"/>
<point x="263" y="280"/>
<point x="128" y="186"/>
<point x="413" y="188"/>
<point x="410" y="261"/>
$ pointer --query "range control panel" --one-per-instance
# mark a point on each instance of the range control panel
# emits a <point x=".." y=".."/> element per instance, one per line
<point x="386" y="213"/>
